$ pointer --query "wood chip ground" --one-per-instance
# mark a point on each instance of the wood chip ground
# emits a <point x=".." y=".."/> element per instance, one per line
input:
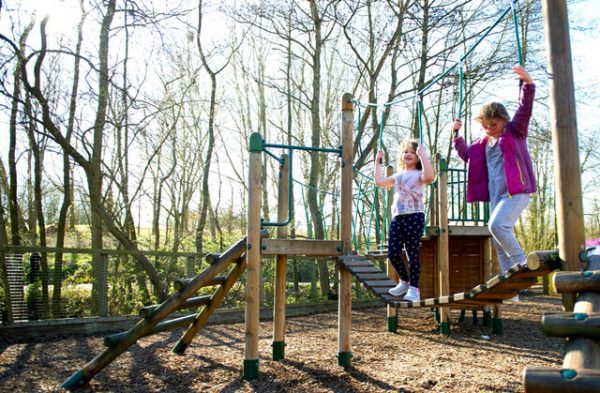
<point x="416" y="359"/>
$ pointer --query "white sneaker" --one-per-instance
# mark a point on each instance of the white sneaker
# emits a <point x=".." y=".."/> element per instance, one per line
<point x="412" y="295"/>
<point x="515" y="299"/>
<point x="399" y="289"/>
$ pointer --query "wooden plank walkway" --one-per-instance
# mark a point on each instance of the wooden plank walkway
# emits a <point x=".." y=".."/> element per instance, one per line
<point x="493" y="291"/>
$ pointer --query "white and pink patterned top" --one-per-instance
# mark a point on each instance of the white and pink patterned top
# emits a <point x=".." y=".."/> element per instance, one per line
<point x="408" y="193"/>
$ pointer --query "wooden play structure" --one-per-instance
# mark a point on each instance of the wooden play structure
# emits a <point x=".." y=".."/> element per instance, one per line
<point x="460" y="255"/>
<point x="456" y="261"/>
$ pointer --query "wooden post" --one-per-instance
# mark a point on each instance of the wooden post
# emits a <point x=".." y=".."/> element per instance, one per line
<point x="571" y="235"/>
<point x="253" y="258"/>
<point x="280" y="263"/>
<point x="345" y="278"/>
<point x="392" y="312"/>
<point x="443" y="264"/>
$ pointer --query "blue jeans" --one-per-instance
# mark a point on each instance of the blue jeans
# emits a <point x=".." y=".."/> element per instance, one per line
<point x="505" y="213"/>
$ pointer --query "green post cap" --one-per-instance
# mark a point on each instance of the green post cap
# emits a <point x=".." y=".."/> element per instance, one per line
<point x="580" y="316"/>
<point x="256" y="143"/>
<point x="75" y="380"/>
<point x="344" y="358"/>
<point x="497" y="326"/>
<point x="568" y="373"/>
<point x="393" y="324"/>
<point x="588" y="274"/>
<point x="179" y="348"/>
<point x="443" y="165"/>
<point x="250" y="369"/>
<point x="278" y="350"/>
<point x="445" y="328"/>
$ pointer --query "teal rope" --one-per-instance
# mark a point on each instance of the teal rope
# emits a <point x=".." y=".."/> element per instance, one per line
<point x="460" y="91"/>
<point x="420" y="114"/>
<point x="513" y="6"/>
<point x="380" y="143"/>
<point x="359" y="136"/>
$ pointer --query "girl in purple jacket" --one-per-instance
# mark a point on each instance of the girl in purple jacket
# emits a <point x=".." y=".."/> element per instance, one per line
<point x="499" y="169"/>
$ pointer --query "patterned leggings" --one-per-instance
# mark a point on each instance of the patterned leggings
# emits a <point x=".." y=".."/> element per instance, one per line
<point x="405" y="232"/>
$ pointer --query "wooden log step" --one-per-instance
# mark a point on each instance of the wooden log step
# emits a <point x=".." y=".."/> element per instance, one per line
<point x="380" y="283"/>
<point x="365" y="269"/>
<point x="380" y="290"/>
<point x="548" y="380"/>
<point x="543" y="260"/>
<point x="181" y="283"/>
<point x="573" y="282"/>
<point x="571" y="325"/>
<point x="344" y="258"/>
<point x="372" y="276"/>
<point x="357" y="263"/>
<point x="114" y="339"/>
<point x="196" y="301"/>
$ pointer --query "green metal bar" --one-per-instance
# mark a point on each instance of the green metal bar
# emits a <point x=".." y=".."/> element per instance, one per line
<point x="290" y="190"/>
<point x="303" y="148"/>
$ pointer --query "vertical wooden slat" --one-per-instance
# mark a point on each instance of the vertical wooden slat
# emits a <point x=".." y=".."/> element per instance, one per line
<point x="345" y="281"/>
<point x="443" y="269"/>
<point x="280" y="263"/>
<point x="253" y="262"/>
<point x="392" y="312"/>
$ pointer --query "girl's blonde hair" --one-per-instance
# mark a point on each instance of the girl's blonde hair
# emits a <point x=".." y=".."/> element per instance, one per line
<point x="412" y="143"/>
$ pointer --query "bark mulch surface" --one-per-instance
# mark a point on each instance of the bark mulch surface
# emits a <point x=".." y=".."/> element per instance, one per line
<point x="416" y="359"/>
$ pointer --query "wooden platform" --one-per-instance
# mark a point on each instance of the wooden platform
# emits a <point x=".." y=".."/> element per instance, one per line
<point x="494" y="291"/>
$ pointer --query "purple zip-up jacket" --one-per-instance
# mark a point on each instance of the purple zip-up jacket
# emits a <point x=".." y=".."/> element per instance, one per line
<point x="518" y="169"/>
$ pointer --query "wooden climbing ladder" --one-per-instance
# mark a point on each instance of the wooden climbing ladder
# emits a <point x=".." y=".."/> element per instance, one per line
<point x="155" y="318"/>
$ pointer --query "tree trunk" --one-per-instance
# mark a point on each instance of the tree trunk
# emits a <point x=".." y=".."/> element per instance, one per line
<point x="315" y="164"/>
<point x="12" y="146"/>
<point x="67" y="184"/>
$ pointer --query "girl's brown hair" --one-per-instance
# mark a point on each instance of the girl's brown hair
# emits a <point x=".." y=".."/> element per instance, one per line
<point x="412" y="143"/>
<point x="492" y="110"/>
